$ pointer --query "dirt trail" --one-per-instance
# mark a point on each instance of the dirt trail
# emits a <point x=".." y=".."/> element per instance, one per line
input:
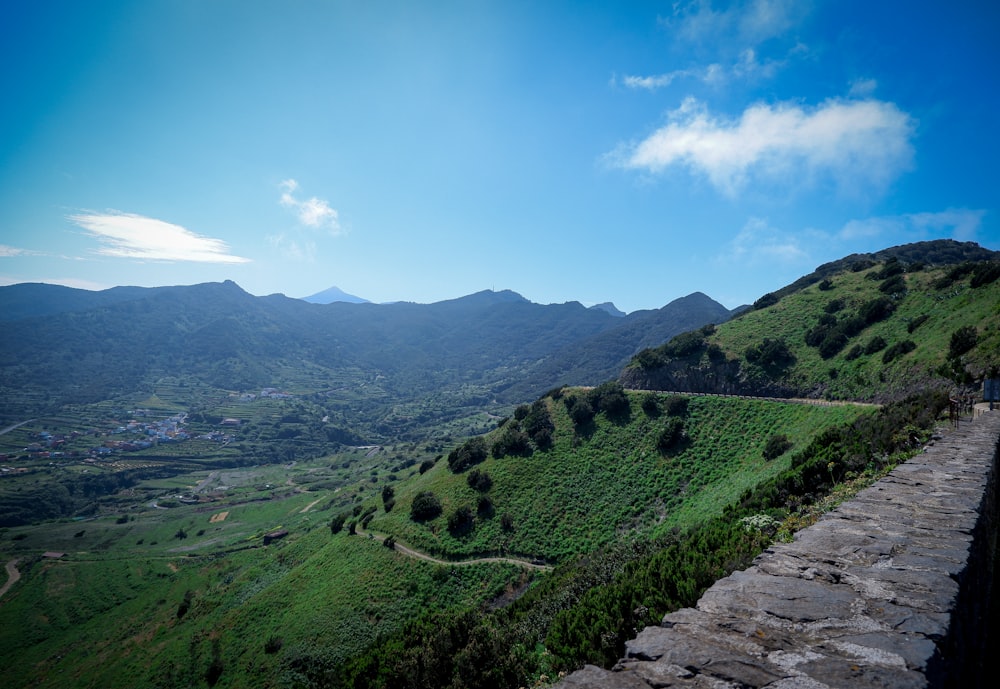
<point x="310" y="505"/>
<point x="410" y="552"/>
<point x="12" y="576"/>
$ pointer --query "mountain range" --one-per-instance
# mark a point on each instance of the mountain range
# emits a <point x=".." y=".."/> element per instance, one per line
<point x="491" y="345"/>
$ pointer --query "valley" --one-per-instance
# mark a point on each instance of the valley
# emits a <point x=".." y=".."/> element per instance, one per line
<point x="479" y="493"/>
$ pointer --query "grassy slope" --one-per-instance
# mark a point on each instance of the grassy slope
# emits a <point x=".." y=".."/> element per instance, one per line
<point x="867" y="377"/>
<point x="585" y="492"/>
<point x="107" y="613"/>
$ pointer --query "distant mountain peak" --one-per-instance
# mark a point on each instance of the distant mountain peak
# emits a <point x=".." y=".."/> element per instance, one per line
<point x="328" y="296"/>
<point x="609" y="308"/>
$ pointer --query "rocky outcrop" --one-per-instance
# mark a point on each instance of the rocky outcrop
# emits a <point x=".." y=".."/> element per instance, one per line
<point x="892" y="589"/>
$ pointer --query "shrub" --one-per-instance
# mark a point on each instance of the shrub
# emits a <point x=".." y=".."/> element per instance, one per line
<point x="876" y="344"/>
<point x="522" y="411"/>
<point x="768" y="299"/>
<point x="426" y="465"/>
<point x="825" y="285"/>
<point x="854" y="352"/>
<point x="672" y="434"/>
<point x="337" y="523"/>
<point x="507" y="522"/>
<point x="650" y="404"/>
<point x="185" y="604"/>
<point x="273" y="644"/>
<point x="538" y="424"/>
<point x="513" y="441"/>
<point x="609" y="398"/>
<point x="832" y="344"/>
<point x="985" y="273"/>
<point x="425" y="507"/>
<point x="389" y="542"/>
<point x="461" y="521"/>
<point x="876" y="310"/>
<point x="834" y="305"/>
<point x="770" y="353"/>
<point x="898" y="350"/>
<point x="894" y="285"/>
<point x="916" y="323"/>
<point x="388" y="493"/>
<point x="962" y="340"/>
<point x="479" y="481"/>
<point x="676" y="405"/>
<point x="471" y="452"/>
<point x="776" y="446"/>
<point x="484" y="507"/>
<point x="579" y="410"/>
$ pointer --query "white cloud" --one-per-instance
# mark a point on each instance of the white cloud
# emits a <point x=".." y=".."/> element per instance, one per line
<point x="758" y="243"/>
<point x="9" y="251"/>
<point x="962" y="224"/>
<point x="312" y="212"/>
<point x="857" y="143"/>
<point x="127" y="235"/>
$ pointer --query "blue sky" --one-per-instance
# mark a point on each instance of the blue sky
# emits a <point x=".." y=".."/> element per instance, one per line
<point x="591" y="151"/>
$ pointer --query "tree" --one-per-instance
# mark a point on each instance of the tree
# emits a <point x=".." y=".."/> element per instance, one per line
<point x="425" y="507"/>
<point x="461" y="521"/>
<point x="471" y="452"/>
<point x="479" y="481"/>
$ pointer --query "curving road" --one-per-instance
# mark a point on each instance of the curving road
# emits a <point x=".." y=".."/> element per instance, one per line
<point x="410" y="552"/>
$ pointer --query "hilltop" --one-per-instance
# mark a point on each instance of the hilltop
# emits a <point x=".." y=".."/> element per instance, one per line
<point x="860" y="328"/>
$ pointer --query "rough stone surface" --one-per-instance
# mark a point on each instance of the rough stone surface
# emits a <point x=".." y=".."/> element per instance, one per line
<point x="889" y="590"/>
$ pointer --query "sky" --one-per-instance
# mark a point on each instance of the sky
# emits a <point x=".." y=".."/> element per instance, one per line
<point x="632" y="152"/>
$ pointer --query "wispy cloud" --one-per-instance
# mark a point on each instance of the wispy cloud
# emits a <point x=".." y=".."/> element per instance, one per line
<point x="962" y="224"/>
<point x="857" y="143"/>
<point x="10" y="251"/>
<point x="297" y="249"/>
<point x="127" y="235"/>
<point x="862" y="88"/>
<point x="748" y="66"/>
<point x="744" y="23"/>
<point x="312" y="212"/>
<point x="760" y="243"/>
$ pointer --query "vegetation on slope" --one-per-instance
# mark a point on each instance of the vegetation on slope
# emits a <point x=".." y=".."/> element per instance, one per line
<point x="586" y="610"/>
<point x="872" y="331"/>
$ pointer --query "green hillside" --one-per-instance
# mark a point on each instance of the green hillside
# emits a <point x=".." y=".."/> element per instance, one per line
<point x="173" y="532"/>
<point x="868" y="332"/>
<point x="114" y="600"/>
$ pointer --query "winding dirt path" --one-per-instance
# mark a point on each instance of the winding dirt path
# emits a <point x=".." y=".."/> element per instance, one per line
<point x="416" y="554"/>
<point x="12" y="576"/>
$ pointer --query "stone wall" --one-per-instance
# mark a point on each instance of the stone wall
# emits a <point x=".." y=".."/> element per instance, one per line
<point x="892" y="589"/>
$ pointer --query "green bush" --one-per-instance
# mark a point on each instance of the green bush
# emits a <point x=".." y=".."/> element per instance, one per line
<point x="461" y="521"/>
<point x="898" y="350"/>
<point x="776" y="446"/>
<point x="876" y="344"/>
<point x="479" y="481"/>
<point x="672" y="434"/>
<point x="962" y="340"/>
<point x="425" y="507"/>
<point x="916" y="323"/>
<point x="471" y="452"/>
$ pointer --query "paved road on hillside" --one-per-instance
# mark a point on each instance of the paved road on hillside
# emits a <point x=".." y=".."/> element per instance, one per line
<point x="12" y="576"/>
<point x="410" y="552"/>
